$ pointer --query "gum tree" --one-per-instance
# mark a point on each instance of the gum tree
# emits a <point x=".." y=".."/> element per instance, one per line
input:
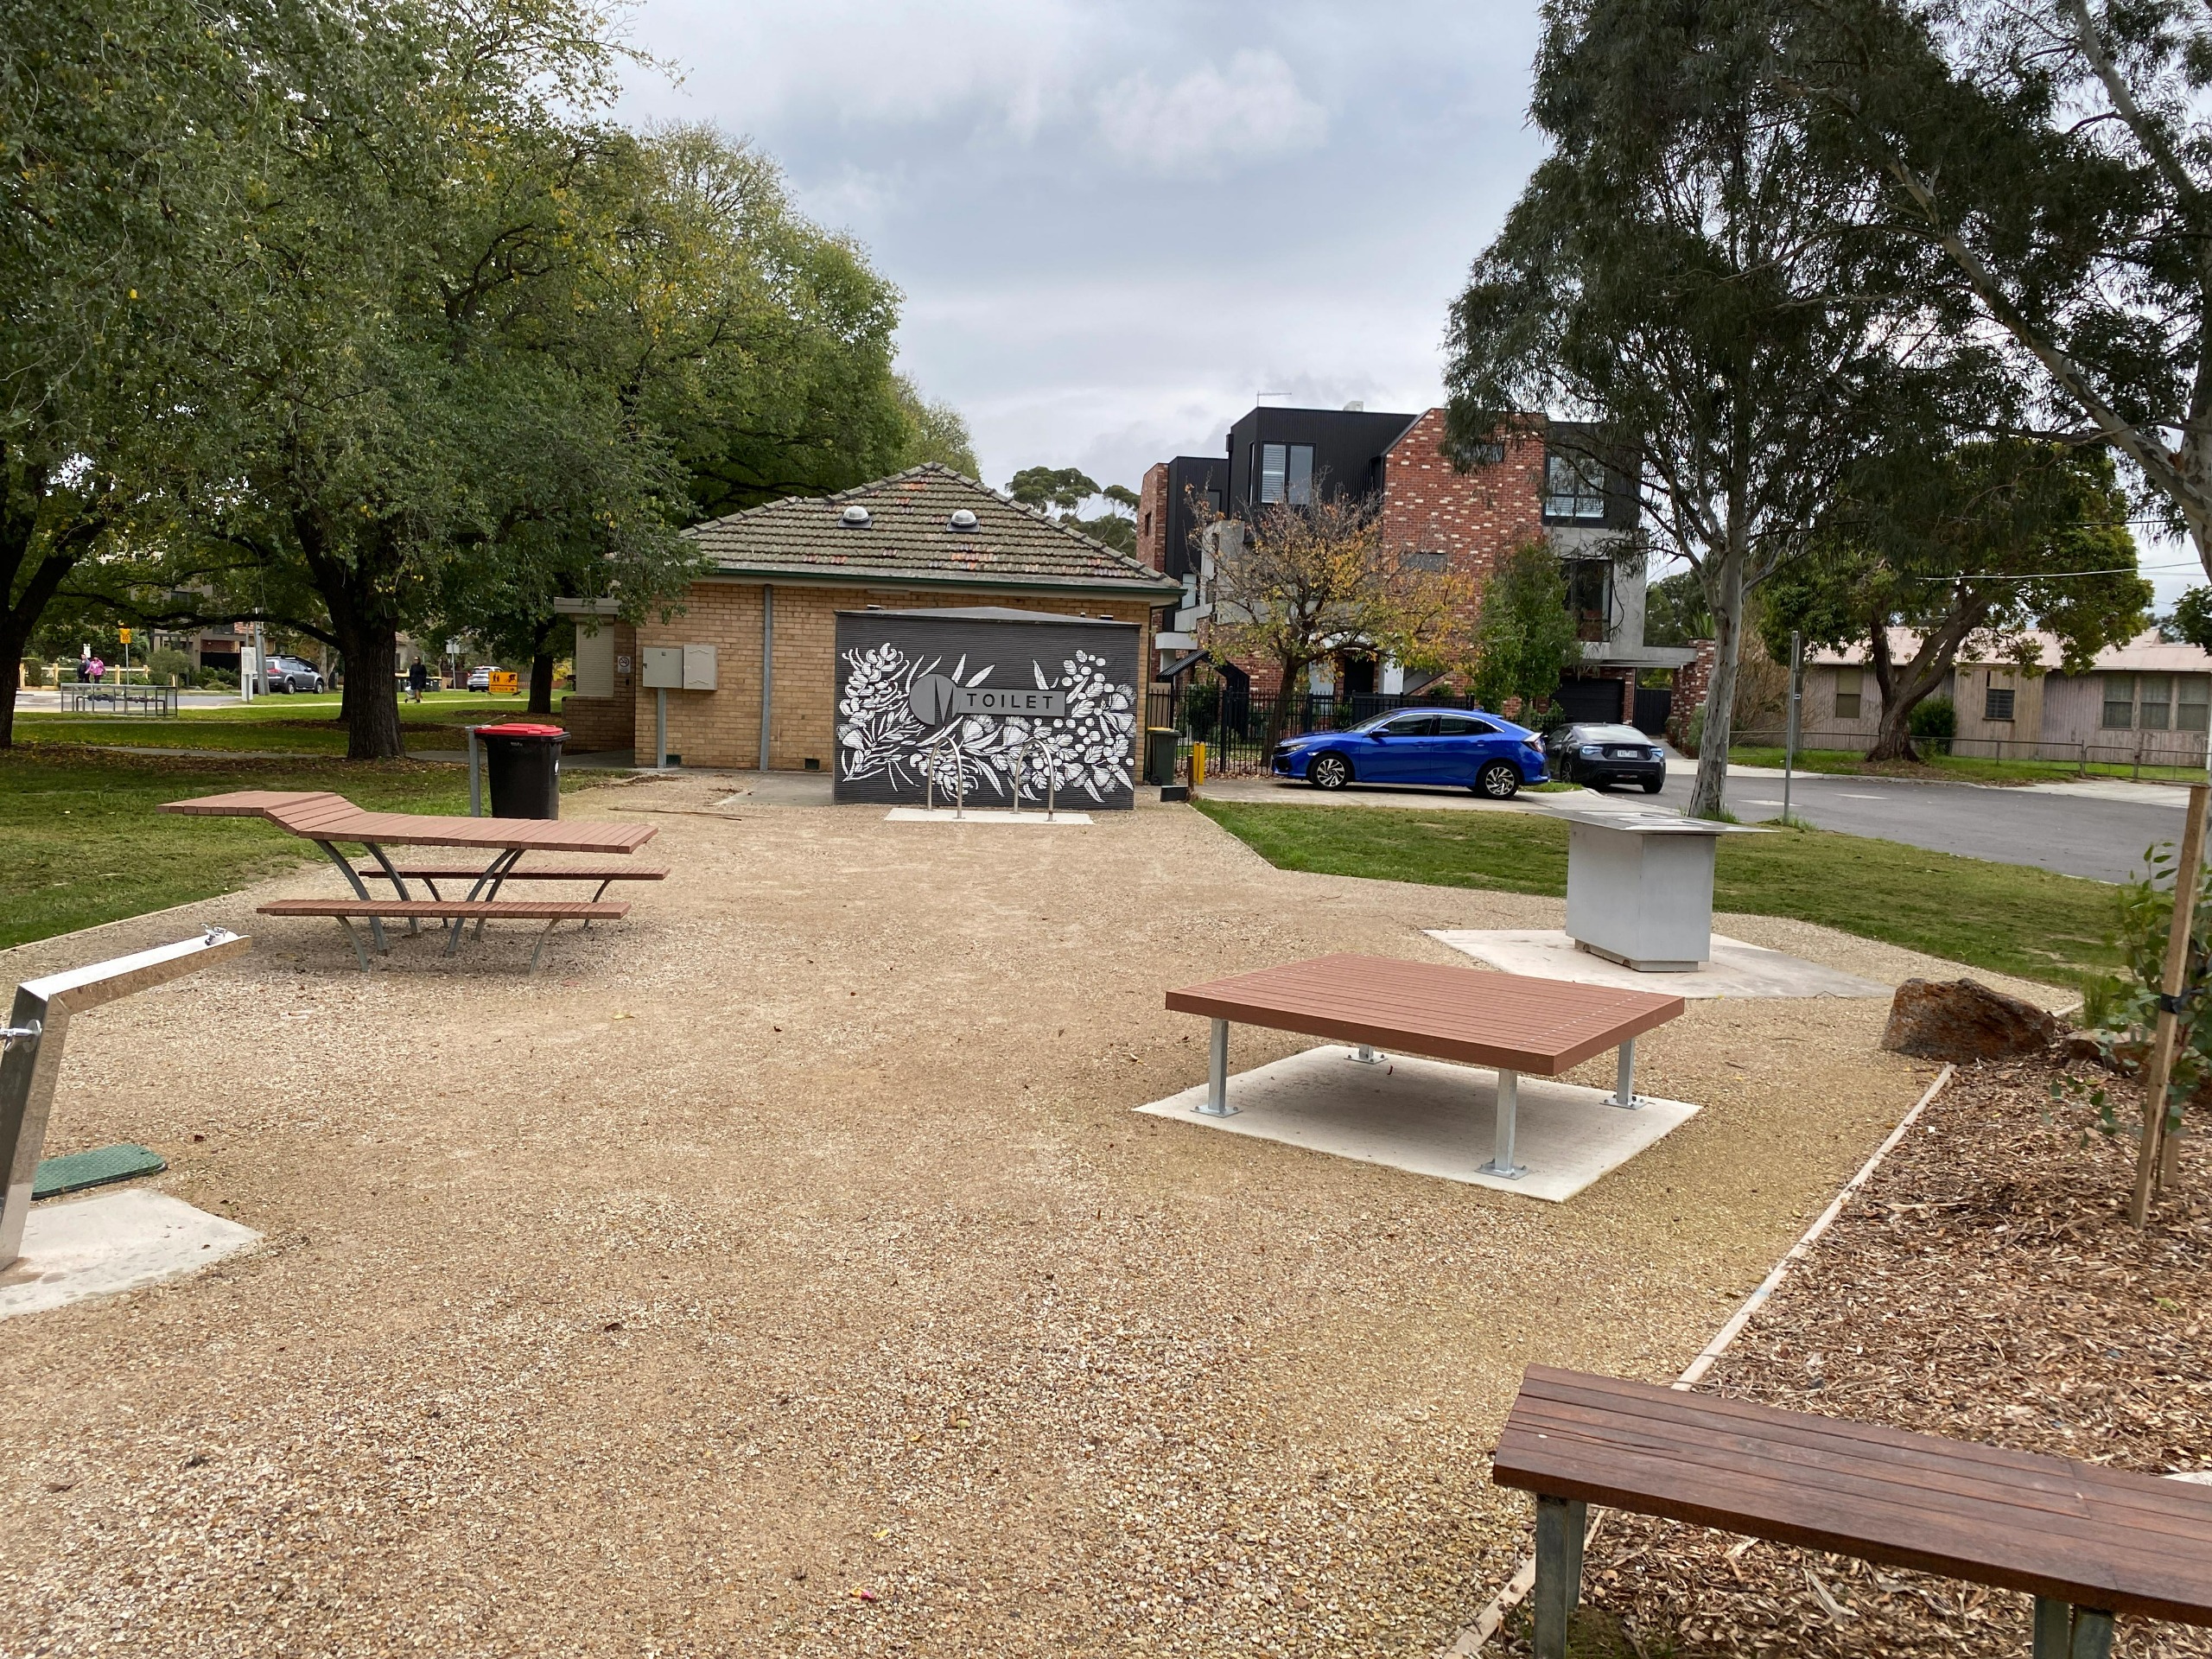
<point x="1688" y="270"/>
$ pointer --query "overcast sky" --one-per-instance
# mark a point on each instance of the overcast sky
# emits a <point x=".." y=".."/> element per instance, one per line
<point x="1115" y="223"/>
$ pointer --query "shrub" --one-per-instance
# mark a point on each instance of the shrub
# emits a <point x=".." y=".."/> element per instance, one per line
<point x="1692" y="732"/>
<point x="34" y="673"/>
<point x="1933" y="724"/>
<point x="217" y="679"/>
<point x="165" y="666"/>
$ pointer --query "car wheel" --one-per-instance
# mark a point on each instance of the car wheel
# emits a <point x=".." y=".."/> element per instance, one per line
<point x="1498" y="781"/>
<point x="1653" y="785"/>
<point x="1330" y="770"/>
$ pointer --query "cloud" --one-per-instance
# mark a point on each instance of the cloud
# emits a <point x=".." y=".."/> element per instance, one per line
<point x="1252" y="110"/>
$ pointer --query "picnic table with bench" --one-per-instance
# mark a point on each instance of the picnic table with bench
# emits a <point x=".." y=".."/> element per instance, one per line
<point x="2087" y="1542"/>
<point x="328" y="820"/>
<point x="1508" y="1022"/>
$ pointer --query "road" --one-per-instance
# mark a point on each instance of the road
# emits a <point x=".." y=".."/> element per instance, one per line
<point x="2098" y="829"/>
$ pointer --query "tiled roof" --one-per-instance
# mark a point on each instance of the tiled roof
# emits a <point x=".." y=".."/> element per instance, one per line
<point x="2144" y="654"/>
<point x="909" y="541"/>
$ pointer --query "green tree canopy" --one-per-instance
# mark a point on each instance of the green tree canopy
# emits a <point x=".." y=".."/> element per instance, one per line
<point x="1686" y="268"/>
<point x="1525" y="637"/>
<point x="1985" y="542"/>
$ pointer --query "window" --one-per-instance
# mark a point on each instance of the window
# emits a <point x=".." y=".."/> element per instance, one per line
<point x="1412" y="726"/>
<point x="1590" y="597"/>
<point x="1286" y="474"/>
<point x="1574" y="486"/>
<point x="1488" y="454"/>
<point x="1426" y="559"/>
<point x="2119" y="702"/>
<point x="1849" y="684"/>
<point x="1996" y="700"/>
<point x="1463" y="725"/>
<point x="2154" y="695"/>
<point x="2193" y="704"/>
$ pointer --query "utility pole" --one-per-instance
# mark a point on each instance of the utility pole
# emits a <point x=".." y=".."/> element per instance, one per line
<point x="1797" y="695"/>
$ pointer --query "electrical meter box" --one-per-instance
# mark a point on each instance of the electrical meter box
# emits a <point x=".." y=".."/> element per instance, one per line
<point x="664" y="668"/>
<point x="698" y="668"/>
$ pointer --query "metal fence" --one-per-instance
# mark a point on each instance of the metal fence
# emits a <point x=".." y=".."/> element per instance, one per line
<point x="157" y="700"/>
<point x="2156" y="754"/>
<point x="1241" y="730"/>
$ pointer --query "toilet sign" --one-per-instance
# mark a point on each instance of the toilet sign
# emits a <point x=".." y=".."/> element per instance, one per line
<point x="936" y="698"/>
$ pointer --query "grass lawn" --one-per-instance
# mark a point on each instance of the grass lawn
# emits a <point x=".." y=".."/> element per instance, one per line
<point x="81" y="843"/>
<point x="1959" y="768"/>
<point x="298" y="724"/>
<point x="2006" y="918"/>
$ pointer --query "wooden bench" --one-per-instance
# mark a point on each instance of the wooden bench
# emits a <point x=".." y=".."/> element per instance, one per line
<point x="2086" y="1542"/>
<point x="1508" y="1022"/>
<point x="458" y="912"/>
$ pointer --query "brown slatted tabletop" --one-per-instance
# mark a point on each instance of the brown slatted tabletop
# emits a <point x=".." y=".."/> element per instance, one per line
<point x="323" y="817"/>
<point x="1540" y="1025"/>
<point x="1506" y="1021"/>
<point x="2069" y="1532"/>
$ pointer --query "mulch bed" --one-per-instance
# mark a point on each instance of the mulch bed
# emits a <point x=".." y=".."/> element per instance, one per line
<point x="1984" y="1284"/>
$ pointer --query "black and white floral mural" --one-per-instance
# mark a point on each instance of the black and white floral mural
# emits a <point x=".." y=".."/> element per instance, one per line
<point x="994" y="705"/>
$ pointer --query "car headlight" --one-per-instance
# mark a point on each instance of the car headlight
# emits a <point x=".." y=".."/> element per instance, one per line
<point x="1590" y="751"/>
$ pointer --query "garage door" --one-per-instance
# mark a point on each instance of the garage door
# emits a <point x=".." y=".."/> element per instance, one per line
<point x="1589" y="700"/>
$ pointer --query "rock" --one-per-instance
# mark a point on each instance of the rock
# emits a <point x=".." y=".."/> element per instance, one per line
<point x="1964" y="1019"/>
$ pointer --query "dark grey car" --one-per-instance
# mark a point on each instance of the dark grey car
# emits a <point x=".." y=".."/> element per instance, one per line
<point x="1601" y="756"/>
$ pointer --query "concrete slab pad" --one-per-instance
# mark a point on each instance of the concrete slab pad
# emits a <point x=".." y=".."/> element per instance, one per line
<point x="117" y="1241"/>
<point x="1428" y="1118"/>
<point x="984" y="815"/>
<point x="1736" y="969"/>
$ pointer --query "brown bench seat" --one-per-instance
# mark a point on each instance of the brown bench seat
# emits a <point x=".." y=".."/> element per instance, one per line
<point x="2087" y="1542"/>
<point x="458" y="912"/>
<point x="430" y="875"/>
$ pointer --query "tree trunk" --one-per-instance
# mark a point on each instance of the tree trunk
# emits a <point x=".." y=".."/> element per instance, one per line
<point x="541" y="683"/>
<point x="1904" y="690"/>
<point x="22" y="606"/>
<point x="1724" y="595"/>
<point x="371" y="648"/>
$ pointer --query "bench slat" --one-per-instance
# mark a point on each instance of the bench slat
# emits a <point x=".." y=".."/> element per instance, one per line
<point x="451" y="909"/>
<point x="2109" y="1539"/>
<point x="1812" y="1445"/>
<point x="1543" y="1027"/>
<point x="375" y="872"/>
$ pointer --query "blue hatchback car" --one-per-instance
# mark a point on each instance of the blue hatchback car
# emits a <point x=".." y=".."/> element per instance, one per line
<point x="1469" y="749"/>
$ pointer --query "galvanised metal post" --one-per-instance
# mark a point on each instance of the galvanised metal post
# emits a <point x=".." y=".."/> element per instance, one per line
<point x="37" y="1027"/>
<point x="1796" y="692"/>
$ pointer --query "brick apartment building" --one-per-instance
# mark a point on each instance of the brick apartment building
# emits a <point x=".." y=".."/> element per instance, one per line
<point x="1544" y="479"/>
<point x="765" y="612"/>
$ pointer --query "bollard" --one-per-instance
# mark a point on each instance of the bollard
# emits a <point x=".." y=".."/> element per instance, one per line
<point x="38" y="1025"/>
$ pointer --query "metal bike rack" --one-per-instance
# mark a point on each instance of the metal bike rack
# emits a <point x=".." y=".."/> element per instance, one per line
<point x="929" y="781"/>
<point x="30" y="1052"/>
<point x="1052" y="746"/>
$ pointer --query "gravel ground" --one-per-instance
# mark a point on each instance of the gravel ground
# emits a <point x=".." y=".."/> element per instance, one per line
<point x="1984" y="1285"/>
<point x="783" y="1271"/>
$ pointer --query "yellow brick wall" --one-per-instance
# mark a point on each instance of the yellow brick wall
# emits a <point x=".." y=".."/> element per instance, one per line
<point x="722" y="728"/>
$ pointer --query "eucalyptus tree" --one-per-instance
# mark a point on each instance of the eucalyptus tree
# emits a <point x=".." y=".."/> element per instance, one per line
<point x="1986" y="542"/>
<point x="124" y="124"/>
<point x="2055" y="156"/>
<point x="1686" y="270"/>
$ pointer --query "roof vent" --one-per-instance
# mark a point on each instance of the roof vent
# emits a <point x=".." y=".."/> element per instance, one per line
<point x="961" y="519"/>
<point x="854" y="517"/>
<point x="1355" y="408"/>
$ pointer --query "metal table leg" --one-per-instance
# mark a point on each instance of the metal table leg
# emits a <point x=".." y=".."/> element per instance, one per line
<point x="398" y="886"/>
<point x="1508" y="1111"/>
<point x="2063" y="1631"/>
<point x="1217" y="1101"/>
<point x="1367" y="1056"/>
<point x="376" y="926"/>
<point x="1562" y="1523"/>
<point x="1624" y="1093"/>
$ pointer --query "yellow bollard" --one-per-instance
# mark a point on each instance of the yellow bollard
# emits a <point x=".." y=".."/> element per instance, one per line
<point x="1198" y="765"/>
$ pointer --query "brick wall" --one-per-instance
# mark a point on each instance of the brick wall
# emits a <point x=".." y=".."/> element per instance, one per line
<point x="601" y="724"/>
<point x="1474" y="518"/>
<point x="1690" y="682"/>
<point x="722" y="728"/>
<point x="1152" y="517"/>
